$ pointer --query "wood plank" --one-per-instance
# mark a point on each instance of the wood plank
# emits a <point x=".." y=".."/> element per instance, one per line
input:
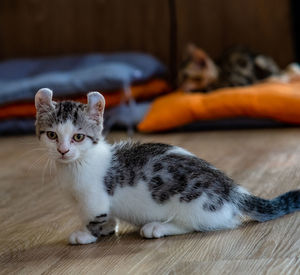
<point x="35" y="219"/>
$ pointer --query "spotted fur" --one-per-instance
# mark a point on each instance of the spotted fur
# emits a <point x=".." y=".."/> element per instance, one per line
<point x="128" y="161"/>
<point x="167" y="174"/>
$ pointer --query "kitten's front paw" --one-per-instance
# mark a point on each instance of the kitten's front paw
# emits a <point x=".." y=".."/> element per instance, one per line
<point x="152" y="230"/>
<point x="81" y="237"/>
<point x="99" y="229"/>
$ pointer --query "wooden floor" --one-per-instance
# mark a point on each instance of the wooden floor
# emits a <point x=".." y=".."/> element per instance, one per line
<point x="35" y="221"/>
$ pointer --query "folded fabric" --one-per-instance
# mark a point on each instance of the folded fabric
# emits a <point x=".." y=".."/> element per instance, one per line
<point x="274" y="100"/>
<point x="17" y="126"/>
<point x="139" y="92"/>
<point x="20" y="79"/>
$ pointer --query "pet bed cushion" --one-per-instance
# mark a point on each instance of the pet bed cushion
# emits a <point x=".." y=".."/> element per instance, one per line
<point x="274" y="100"/>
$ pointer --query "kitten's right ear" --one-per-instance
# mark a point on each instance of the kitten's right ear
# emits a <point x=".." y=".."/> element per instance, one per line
<point x="191" y="48"/>
<point x="43" y="98"/>
<point x="95" y="106"/>
<point x="198" y="55"/>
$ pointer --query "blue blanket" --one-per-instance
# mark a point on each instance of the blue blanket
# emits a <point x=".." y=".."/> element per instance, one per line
<point x="21" y="78"/>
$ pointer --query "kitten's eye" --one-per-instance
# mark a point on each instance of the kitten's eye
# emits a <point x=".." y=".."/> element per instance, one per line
<point x="78" y="137"/>
<point x="201" y="63"/>
<point x="242" y="62"/>
<point x="51" y="135"/>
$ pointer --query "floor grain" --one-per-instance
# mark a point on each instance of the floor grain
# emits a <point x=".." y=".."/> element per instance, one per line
<point x="35" y="221"/>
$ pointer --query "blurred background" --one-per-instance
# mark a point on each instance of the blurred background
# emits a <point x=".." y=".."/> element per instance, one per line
<point x="31" y="28"/>
<point x="162" y="28"/>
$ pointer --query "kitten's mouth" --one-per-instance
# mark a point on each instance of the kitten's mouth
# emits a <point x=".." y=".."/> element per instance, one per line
<point x="66" y="159"/>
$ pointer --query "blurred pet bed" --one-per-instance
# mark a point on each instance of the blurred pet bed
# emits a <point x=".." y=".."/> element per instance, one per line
<point x="120" y="77"/>
<point x="273" y="100"/>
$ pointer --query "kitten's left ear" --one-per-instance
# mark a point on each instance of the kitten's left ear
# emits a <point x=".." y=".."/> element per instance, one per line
<point x="95" y="105"/>
<point x="191" y="48"/>
<point x="43" y="98"/>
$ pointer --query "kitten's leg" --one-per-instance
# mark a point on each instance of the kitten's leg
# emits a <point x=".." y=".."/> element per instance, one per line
<point x="93" y="230"/>
<point x="90" y="211"/>
<point x="102" y="226"/>
<point x="158" y="230"/>
<point x="82" y="237"/>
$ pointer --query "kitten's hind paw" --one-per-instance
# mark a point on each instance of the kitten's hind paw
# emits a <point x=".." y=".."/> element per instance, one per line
<point x="152" y="230"/>
<point x="158" y="230"/>
<point x="82" y="237"/>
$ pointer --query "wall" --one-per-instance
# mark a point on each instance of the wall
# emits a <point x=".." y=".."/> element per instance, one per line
<point x="51" y="27"/>
<point x="263" y="25"/>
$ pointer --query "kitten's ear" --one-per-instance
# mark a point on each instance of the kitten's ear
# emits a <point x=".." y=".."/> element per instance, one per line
<point x="198" y="55"/>
<point x="191" y="48"/>
<point x="43" y="98"/>
<point x="95" y="105"/>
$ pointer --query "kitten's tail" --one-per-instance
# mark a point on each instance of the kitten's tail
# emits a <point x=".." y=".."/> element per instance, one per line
<point x="263" y="210"/>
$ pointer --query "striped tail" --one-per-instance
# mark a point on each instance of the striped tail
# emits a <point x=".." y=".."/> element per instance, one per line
<point x="263" y="210"/>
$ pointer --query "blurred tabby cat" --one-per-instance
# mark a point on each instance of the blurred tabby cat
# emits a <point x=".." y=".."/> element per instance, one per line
<point x="237" y="66"/>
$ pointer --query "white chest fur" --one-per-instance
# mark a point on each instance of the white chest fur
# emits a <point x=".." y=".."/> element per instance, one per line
<point x="84" y="178"/>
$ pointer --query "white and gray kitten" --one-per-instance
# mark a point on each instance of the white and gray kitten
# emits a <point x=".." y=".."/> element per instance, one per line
<point x="162" y="188"/>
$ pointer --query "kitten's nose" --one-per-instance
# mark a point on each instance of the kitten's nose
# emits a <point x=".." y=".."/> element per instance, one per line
<point x="63" y="152"/>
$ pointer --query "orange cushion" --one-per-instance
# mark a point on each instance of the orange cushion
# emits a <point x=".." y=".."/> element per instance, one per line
<point x="142" y="91"/>
<point x="279" y="101"/>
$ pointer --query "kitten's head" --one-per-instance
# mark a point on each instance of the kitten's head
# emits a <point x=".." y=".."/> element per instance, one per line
<point x="241" y="66"/>
<point x="198" y="71"/>
<point x="67" y="129"/>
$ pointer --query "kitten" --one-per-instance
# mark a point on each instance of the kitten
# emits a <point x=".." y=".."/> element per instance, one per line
<point x="164" y="189"/>
<point x="241" y="67"/>
<point x="198" y="71"/>
<point x="237" y="66"/>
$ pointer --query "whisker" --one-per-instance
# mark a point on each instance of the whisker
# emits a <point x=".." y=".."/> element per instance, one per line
<point x="52" y="167"/>
<point x="34" y="164"/>
<point x="28" y="142"/>
<point x="44" y="171"/>
<point x="32" y="151"/>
